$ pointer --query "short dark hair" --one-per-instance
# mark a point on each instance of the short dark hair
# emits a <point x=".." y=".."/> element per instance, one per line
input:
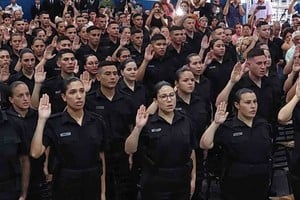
<point x="189" y="57"/>
<point x="261" y="23"/>
<point x="256" y="51"/>
<point x="70" y="26"/>
<point x="67" y="82"/>
<point x="156" y="37"/>
<point x="180" y="71"/>
<point x="123" y="64"/>
<point x="159" y="85"/>
<point x="64" y="51"/>
<point x="175" y="28"/>
<point x="61" y="38"/>
<point x="106" y="63"/>
<point x="240" y="92"/>
<point x="13" y="85"/>
<point x="120" y="51"/>
<point x="134" y="31"/>
<point x="91" y="28"/>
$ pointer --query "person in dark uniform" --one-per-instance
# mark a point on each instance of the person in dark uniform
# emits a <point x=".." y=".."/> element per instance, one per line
<point x="167" y="143"/>
<point x="21" y="112"/>
<point x="14" y="160"/>
<point x="198" y="111"/>
<point x="292" y="111"/>
<point x="247" y="148"/>
<point x="77" y="138"/>
<point x="118" y="112"/>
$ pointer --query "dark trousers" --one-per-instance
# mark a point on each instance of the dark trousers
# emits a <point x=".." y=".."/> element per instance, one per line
<point x="295" y="182"/>
<point x="10" y="189"/>
<point x="39" y="191"/>
<point x="247" y="188"/>
<point x="166" y="184"/>
<point x="77" y="184"/>
<point x="119" y="182"/>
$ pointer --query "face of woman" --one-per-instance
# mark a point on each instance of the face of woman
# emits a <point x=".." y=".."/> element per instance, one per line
<point x="124" y="56"/>
<point x="38" y="47"/>
<point x="186" y="82"/>
<point x="166" y="99"/>
<point x="247" y="106"/>
<point x="41" y="35"/>
<point x="83" y="34"/>
<point x="130" y="71"/>
<point x="219" y="48"/>
<point x="126" y="34"/>
<point x="268" y="56"/>
<point x="288" y="37"/>
<point x="245" y="44"/>
<point x="75" y="95"/>
<point x="196" y="66"/>
<point x="92" y="65"/>
<point x="28" y="62"/>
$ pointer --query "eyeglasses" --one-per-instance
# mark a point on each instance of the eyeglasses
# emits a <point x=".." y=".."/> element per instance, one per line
<point x="165" y="97"/>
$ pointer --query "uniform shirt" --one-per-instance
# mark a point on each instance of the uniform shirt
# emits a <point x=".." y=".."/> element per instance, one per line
<point x="87" y="50"/>
<point x="51" y="68"/>
<point x="178" y="58"/>
<point x="203" y="88"/>
<point x="268" y="99"/>
<point x="219" y="75"/>
<point x="19" y="76"/>
<point x="244" y="144"/>
<point x="167" y="145"/>
<point x="118" y="113"/>
<point x="138" y="96"/>
<point x="194" y="44"/>
<point x="52" y="87"/>
<point x="107" y="46"/>
<point x="160" y="69"/>
<point x="197" y="111"/>
<point x="29" y="122"/>
<point x="136" y="55"/>
<point x="12" y="146"/>
<point x="75" y="146"/>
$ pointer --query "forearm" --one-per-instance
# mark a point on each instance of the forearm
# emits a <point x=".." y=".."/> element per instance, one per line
<point x="207" y="139"/>
<point x="291" y="7"/>
<point x="148" y="21"/>
<point x="226" y="8"/>
<point x="289" y="82"/>
<point x="25" y="167"/>
<point x="291" y="93"/>
<point x="241" y="10"/>
<point x="37" y="148"/>
<point x="288" y="67"/>
<point x="35" y="97"/>
<point x="103" y="182"/>
<point x="132" y="141"/>
<point x="285" y="114"/>
<point x="141" y="71"/>
<point x="224" y="94"/>
<point x="193" y="157"/>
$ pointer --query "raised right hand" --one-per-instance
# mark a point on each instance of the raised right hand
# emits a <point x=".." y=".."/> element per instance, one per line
<point x="141" y="117"/>
<point x="44" y="107"/>
<point x="149" y="53"/>
<point x="221" y="113"/>
<point x="237" y="72"/>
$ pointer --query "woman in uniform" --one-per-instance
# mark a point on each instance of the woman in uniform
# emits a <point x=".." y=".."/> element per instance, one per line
<point x="247" y="148"/>
<point x="167" y="144"/>
<point x="76" y="136"/>
<point x="292" y="111"/>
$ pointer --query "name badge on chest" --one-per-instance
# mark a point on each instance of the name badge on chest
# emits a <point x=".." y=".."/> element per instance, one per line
<point x="99" y="107"/>
<point x="237" y="134"/>
<point x="155" y="130"/>
<point x="65" y="134"/>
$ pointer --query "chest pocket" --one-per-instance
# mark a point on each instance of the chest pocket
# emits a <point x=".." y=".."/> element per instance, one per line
<point x="239" y="138"/>
<point x="67" y="138"/>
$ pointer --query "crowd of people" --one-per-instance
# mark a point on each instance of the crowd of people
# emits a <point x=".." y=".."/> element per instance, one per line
<point x="105" y="101"/>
